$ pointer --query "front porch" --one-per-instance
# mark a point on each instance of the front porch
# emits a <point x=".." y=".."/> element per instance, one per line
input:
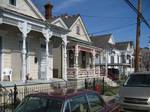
<point x="26" y="48"/>
<point x="81" y="62"/>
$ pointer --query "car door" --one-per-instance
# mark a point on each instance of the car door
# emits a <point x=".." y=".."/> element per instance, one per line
<point x="96" y="103"/>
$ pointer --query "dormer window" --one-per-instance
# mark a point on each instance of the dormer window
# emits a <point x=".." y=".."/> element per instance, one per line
<point x="78" y="30"/>
<point x="12" y="2"/>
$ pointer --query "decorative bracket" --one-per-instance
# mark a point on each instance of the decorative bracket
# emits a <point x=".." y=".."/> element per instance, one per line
<point x="64" y="39"/>
<point x="47" y="34"/>
<point x="24" y="27"/>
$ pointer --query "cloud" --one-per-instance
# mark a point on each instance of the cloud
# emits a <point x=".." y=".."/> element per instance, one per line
<point x="67" y="3"/>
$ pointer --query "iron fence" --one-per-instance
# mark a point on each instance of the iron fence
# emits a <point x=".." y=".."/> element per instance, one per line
<point x="11" y="96"/>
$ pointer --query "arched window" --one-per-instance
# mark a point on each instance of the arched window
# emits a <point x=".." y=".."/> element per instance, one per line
<point x="78" y="30"/>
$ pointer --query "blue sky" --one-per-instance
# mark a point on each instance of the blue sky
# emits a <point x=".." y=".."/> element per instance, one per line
<point x="105" y="16"/>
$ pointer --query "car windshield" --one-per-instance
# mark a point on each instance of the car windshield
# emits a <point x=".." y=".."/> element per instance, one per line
<point x="141" y="80"/>
<point x="39" y="104"/>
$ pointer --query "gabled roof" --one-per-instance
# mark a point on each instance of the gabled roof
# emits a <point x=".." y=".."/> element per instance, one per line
<point x="68" y="20"/>
<point x="102" y="41"/>
<point x="125" y="42"/>
<point x="124" y="45"/>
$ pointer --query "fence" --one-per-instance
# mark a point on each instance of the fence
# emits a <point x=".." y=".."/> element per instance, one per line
<point x="11" y="96"/>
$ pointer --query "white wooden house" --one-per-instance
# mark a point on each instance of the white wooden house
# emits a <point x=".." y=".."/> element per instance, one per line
<point x="27" y="42"/>
<point x="117" y="55"/>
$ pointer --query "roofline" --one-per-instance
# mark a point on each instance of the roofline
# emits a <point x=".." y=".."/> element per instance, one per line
<point x="79" y="40"/>
<point x="94" y="36"/>
<point x="21" y="15"/>
<point x="84" y="27"/>
<point x="36" y="10"/>
<point x="29" y="18"/>
<point x="53" y="22"/>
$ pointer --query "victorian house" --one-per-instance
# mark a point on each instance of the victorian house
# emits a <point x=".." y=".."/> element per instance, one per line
<point x="27" y="41"/>
<point x="117" y="55"/>
<point x="43" y="48"/>
<point x="81" y="53"/>
<point x="126" y="49"/>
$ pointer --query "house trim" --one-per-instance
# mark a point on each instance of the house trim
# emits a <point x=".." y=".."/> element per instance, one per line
<point x="33" y="7"/>
<point x="59" y="19"/>
<point x="85" y="30"/>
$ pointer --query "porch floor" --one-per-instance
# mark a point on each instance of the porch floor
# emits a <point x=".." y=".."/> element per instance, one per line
<point x="29" y="82"/>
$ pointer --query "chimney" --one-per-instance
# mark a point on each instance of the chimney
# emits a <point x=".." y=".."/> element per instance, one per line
<point x="48" y="10"/>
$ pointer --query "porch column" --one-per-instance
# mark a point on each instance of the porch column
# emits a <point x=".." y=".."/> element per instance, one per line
<point x="25" y="28"/>
<point x="1" y="20"/>
<point x="76" y="60"/>
<point x="93" y="60"/>
<point x="125" y="58"/>
<point x="64" y="57"/>
<point x="47" y="34"/>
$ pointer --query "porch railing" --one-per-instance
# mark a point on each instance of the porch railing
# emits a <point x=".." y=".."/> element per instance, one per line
<point x="71" y="73"/>
<point x="82" y="73"/>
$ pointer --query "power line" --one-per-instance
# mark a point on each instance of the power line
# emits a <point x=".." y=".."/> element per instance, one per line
<point x="115" y="28"/>
<point x="111" y="29"/>
<point x="105" y="17"/>
<point x="137" y="12"/>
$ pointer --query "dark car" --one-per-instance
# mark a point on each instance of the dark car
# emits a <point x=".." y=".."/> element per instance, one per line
<point x="65" y="101"/>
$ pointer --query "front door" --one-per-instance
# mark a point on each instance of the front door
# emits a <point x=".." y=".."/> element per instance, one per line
<point x="83" y="54"/>
<point x="42" y="67"/>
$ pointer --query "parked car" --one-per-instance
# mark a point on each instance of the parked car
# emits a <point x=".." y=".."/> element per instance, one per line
<point x="134" y="95"/>
<point x="66" y="101"/>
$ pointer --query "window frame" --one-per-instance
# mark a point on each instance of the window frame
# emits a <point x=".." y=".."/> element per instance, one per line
<point x="78" y="30"/>
<point x="13" y="2"/>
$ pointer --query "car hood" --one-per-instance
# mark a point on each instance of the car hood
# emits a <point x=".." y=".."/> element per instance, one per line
<point x="135" y="92"/>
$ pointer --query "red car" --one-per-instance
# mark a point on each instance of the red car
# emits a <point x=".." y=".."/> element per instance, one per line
<point x="66" y="101"/>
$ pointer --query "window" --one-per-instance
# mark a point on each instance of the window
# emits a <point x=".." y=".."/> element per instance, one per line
<point x="118" y="59"/>
<point x="83" y="57"/>
<point x="71" y="58"/>
<point x="40" y="104"/>
<point x="139" y="80"/>
<point x="112" y="59"/>
<point x="96" y="102"/>
<point x="35" y="60"/>
<point x="43" y="46"/>
<point x="12" y="2"/>
<point x="79" y="104"/>
<point x="78" y="30"/>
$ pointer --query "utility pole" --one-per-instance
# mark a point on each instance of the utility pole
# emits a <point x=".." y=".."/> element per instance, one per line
<point x="137" y="50"/>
